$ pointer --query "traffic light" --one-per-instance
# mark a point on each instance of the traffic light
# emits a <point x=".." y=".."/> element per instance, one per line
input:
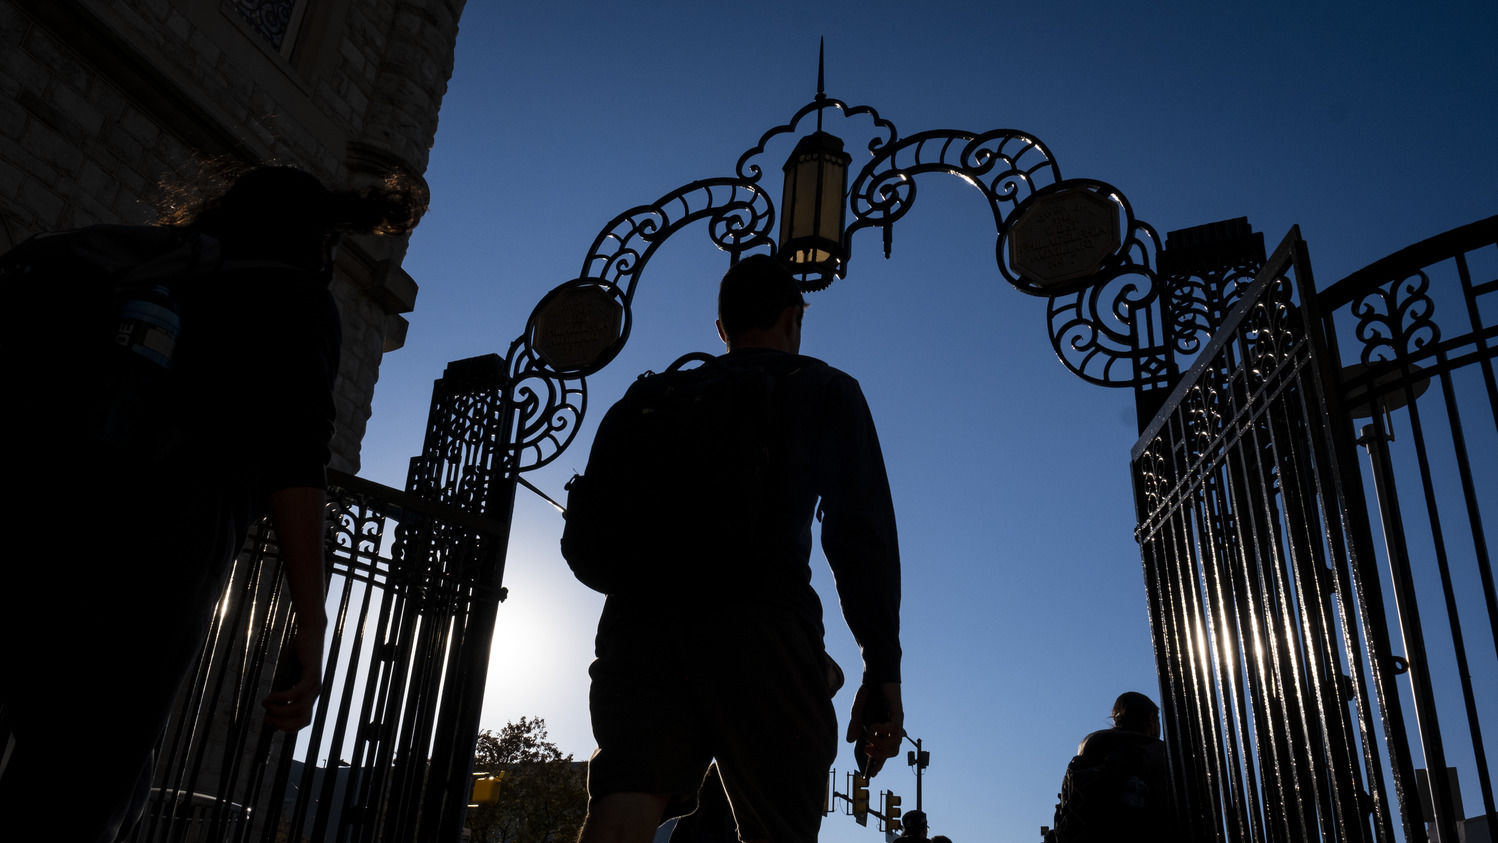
<point x="891" y="811"/>
<point x="486" y="788"/>
<point x="860" y="799"/>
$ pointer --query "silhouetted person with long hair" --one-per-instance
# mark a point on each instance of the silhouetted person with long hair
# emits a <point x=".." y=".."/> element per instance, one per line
<point x="727" y="662"/>
<point x="1117" y="788"/>
<point x="139" y="484"/>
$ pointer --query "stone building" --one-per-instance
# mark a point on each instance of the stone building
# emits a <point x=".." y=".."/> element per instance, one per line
<point x="102" y="100"/>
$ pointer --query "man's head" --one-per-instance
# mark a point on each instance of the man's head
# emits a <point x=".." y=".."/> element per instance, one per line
<point x="286" y="214"/>
<point x="760" y="305"/>
<point x="914" y="823"/>
<point x="1135" y="712"/>
<point x="275" y="213"/>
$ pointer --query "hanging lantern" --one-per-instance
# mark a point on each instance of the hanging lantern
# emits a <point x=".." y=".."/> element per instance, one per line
<point x="812" y="207"/>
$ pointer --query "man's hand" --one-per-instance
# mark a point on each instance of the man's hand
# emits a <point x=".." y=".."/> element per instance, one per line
<point x="877" y="723"/>
<point x="290" y="708"/>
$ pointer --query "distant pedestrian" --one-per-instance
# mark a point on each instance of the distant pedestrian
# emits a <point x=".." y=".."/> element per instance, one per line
<point x="1117" y="787"/>
<point x="170" y="385"/>
<point x="913" y="827"/>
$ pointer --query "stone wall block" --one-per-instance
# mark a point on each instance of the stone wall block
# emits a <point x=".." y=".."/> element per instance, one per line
<point x="138" y="126"/>
<point x="47" y="205"/>
<point x="13" y="119"/>
<point x="57" y="150"/>
<point x="61" y="65"/>
<point x="25" y="73"/>
<point x="11" y="176"/>
<point x="84" y="114"/>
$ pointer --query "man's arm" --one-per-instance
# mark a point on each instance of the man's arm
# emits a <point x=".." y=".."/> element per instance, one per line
<point x="862" y="547"/>
<point x="297" y="514"/>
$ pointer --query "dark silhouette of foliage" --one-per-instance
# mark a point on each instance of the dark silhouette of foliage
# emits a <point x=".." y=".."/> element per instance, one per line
<point x="544" y="795"/>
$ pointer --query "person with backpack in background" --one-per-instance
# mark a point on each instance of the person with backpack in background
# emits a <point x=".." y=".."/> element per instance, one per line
<point x="169" y="385"/>
<point x="694" y="516"/>
<point x="1117" y="787"/>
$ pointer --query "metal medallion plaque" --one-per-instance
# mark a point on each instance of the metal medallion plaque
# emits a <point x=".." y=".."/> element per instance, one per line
<point x="1062" y="237"/>
<point x="576" y="326"/>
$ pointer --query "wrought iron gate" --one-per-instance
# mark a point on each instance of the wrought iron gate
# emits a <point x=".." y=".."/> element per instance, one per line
<point x="1300" y="556"/>
<point x="413" y="589"/>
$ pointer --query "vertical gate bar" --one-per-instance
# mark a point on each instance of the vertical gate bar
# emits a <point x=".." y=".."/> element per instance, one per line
<point x="374" y="736"/>
<point x="1283" y="771"/>
<point x="1158" y="536"/>
<point x="1409" y="623"/>
<point x="1346" y="795"/>
<point x="1201" y="638"/>
<point x="1253" y="488"/>
<point x="1244" y="768"/>
<point x="1443" y="568"/>
<point x="1223" y="633"/>
<point x="381" y="522"/>
<point x="1480" y="548"/>
<point x="1343" y="493"/>
<point x="327" y="799"/>
<point x="1180" y="573"/>
<point x="1363" y="572"/>
<point x="1485" y="573"/>
<point x="1290" y="661"/>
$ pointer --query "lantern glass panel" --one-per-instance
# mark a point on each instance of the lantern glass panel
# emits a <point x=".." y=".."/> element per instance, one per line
<point x="811" y="227"/>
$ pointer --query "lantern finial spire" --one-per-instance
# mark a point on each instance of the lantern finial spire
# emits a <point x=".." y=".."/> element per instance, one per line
<point x="821" y="54"/>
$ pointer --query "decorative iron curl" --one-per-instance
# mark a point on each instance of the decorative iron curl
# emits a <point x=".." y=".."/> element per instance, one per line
<point x="1396" y="321"/>
<point x="740" y="212"/>
<point x="356" y="528"/>
<point x="1154" y="471"/>
<point x="1096" y="331"/>
<point x="1196" y="305"/>
<point x="1272" y="332"/>
<point x="1107" y="333"/>
<point x="1005" y="165"/>
<point x="548" y="409"/>
<point x="1202" y="414"/>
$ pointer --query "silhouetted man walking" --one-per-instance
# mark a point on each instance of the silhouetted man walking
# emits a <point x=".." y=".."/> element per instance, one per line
<point x="724" y="658"/>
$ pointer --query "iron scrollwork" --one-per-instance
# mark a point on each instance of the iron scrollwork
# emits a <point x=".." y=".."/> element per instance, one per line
<point x="548" y="409"/>
<point x="740" y="216"/>
<point x="1272" y="333"/>
<point x="1396" y="321"/>
<point x="1197" y="305"/>
<point x="1005" y="165"/>
<point x="1110" y="333"/>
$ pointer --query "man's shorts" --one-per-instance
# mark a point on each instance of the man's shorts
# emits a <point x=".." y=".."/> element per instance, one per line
<point x="748" y="688"/>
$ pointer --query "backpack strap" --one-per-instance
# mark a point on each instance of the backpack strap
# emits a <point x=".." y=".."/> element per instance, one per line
<point x="702" y="357"/>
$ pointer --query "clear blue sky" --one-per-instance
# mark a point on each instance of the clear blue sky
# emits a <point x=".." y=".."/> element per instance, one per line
<point x="1370" y="124"/>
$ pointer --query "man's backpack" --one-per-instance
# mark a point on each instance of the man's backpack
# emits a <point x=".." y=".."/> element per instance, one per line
<point x="1105" y="796"/>
<point x="683" y="479"/>
<point x="89" y="357"/>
